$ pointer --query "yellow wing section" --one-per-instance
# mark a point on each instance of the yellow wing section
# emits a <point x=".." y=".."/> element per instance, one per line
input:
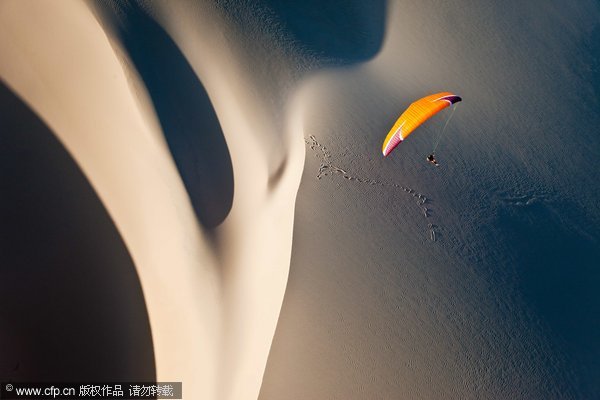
<point x="417" y="113"/>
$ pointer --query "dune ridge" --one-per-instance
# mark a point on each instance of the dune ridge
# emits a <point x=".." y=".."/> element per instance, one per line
<point x="213" y="294"/>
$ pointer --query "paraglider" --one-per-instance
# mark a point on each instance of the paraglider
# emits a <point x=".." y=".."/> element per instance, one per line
<point x="417" y="113"/>
<point x="431" y="159"/>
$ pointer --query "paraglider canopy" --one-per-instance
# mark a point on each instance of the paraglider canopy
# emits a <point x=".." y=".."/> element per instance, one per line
<point x="417" y="113"/>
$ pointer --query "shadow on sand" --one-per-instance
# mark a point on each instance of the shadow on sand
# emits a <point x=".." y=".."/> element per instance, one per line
<point x="185" y="112"/>
<point x="72" y="306"/>
<point x="339" y="31"/>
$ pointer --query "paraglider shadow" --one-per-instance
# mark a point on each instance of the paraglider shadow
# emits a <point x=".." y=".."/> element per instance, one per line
<point x="184" y="109"/>
<point x="72" y="305"/>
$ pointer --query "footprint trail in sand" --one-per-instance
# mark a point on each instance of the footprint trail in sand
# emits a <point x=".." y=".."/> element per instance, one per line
<point x="327" y="168"/>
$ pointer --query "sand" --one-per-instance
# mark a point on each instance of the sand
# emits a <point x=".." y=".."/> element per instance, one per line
<point x="497" y="303"/>
<point x="213" y="294"/>
<point x="197" y="124"/>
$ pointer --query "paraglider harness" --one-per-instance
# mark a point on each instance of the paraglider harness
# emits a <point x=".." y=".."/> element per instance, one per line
<point x="432" y="160"/>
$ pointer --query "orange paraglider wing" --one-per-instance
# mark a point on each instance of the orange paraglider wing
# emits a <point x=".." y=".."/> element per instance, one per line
<point x="417" y="113"/>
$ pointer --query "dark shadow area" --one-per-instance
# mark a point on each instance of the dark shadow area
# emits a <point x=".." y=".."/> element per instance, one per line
<point x="346" y="31"/>
<point x="186" y="114"/>
<point x="560" y="279"/>
<point x="71" y="305"/>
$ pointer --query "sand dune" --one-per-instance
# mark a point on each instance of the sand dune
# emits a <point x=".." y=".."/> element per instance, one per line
<point x="213" y="288"/>
<point x="191" y="121"/>
<point x="60" y="255"/>
<point x="497" y="306"/>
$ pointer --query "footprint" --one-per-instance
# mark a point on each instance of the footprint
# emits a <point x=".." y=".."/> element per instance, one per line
<point x="326" y="168"/>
